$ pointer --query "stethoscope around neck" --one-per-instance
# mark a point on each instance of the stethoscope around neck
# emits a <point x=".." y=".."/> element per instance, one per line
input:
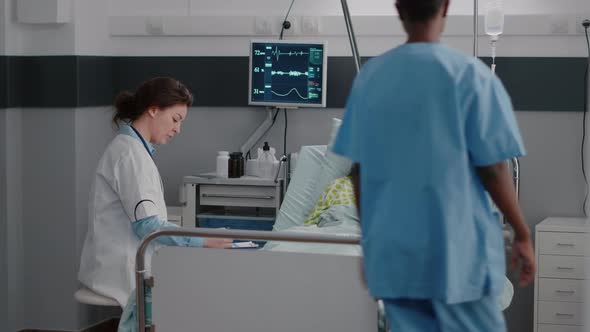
<point x="142" y="140"/>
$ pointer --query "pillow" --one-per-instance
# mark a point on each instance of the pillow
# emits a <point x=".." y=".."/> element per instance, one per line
<point x="316" y="167"/>
<point x="335" y="166"/>
<point x="300" y="196"/>
<point x="335" y="127"/>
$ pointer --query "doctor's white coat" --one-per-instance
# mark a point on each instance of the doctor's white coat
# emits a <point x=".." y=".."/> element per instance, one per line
<point x="126" y="187"/>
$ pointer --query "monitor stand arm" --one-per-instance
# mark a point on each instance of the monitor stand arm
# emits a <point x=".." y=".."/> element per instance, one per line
<point x="259" y="133"/>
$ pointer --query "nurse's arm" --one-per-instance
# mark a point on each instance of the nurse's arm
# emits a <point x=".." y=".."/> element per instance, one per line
<point x="498" y="182"/>
<point x="356" y="185"/>
<point x="148" y="225"/>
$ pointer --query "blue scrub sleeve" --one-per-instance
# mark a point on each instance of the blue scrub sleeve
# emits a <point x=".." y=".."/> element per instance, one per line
<point x="146" y="226"/>
<point x="491" y="129"/>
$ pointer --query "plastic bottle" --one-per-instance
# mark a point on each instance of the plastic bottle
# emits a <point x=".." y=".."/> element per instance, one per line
<point x="266" y="162"/>
<point x="494" y="25"/>
<point x="235" y="165"/>
<point x="222" y="164"/>
<point x="494" y="18"/>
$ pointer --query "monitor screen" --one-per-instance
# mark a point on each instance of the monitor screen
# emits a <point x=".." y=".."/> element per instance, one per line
<point x="288" y="73"/>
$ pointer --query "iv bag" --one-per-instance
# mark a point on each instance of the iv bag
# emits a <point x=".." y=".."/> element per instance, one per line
<point x="494" y="18"/>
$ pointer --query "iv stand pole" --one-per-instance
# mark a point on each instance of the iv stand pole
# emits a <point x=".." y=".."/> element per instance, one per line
<point x="475" y="26"/>
<point x="351" y="36"/>
<point x="514" y="162"/>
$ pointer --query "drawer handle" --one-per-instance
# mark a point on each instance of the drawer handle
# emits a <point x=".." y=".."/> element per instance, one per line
<point x="565" y="292"/>
<point x="566" y="245"/>
<point x="237" y="196"/>
<point x="565" y="268"/>
<point x="564" y="315"/>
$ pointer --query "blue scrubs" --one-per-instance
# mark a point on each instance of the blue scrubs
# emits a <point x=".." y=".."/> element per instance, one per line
<point x="435" y="316"/>
<point x="419" y="120"/>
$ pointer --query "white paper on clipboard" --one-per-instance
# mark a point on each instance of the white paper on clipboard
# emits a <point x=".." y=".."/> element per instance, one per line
<point x="241" y="245"/>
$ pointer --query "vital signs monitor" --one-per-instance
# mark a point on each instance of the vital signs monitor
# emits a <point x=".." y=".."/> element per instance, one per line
<point x="287" y="73"/>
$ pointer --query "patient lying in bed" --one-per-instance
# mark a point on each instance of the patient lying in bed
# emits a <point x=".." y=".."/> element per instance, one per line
<point x="335" y="213"/>
<point x="336" y="203"/>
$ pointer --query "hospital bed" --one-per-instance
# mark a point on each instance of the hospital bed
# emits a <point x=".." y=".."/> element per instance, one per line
<point x="304" y="278"/>
<point x="196" y="289"/>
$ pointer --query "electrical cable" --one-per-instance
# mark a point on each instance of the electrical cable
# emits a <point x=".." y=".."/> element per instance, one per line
<point x="285" y="134"/>
<point x="285" y="20"/>
<point x="586" y="105"/>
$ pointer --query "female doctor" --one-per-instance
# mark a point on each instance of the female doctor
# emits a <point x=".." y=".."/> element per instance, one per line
<point x="127" y="200"/>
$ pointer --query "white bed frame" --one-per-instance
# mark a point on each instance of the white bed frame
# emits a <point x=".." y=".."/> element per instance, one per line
<point x="212" y="290"/>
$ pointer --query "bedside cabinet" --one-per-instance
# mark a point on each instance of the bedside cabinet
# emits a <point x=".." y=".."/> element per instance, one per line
<point x="240" y="203"/>
<point x="560" y="283"/>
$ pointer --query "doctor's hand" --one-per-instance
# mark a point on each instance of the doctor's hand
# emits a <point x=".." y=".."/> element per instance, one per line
<point x="522" y="252"/>
<point x="218" y="243"/>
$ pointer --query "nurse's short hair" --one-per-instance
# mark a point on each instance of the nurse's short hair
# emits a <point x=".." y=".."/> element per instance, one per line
<point x="418" y="10"/>
<point x="161" y="92"/>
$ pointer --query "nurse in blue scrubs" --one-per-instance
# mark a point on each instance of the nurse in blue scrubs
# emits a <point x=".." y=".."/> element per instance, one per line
<point x="429" y="129"/>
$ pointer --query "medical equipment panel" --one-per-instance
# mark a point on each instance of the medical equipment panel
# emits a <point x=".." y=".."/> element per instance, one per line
<point x="287" y="74"/>
<point x="218" y="201"/>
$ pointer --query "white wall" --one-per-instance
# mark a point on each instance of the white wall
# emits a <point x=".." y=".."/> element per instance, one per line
<point x="111" y="28"/>
<point x="3" y="229"/>
<point x="49" y="233"/>
<point x="37" y="39"/>
<point x="3" y="20"/>
<point x="92" y="30"/>
<point x="15" y="283"/>
<point x="322" y="7"/>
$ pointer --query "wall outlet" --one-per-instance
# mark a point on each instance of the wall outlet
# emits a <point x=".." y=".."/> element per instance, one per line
<point x="559" y="25"/>
<point x="293" y="30"/>
<point x="579" y="27"/>
<point x="310" y="25"/>
<point x="263" y="26"/>
<point x="271" y="26"/>
<point x="154" y="25"/>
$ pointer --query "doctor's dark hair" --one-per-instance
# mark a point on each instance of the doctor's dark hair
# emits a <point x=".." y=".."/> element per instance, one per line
<point x="161" y="92"/>
<point x="418" y="10"/>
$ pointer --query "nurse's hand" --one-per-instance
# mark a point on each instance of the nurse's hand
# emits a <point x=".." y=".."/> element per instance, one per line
<point x="522" y="252"/>
<point x="218" y="243"/>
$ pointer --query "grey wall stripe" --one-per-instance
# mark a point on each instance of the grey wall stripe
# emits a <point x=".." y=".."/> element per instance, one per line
<point x="35" y="81"/>
<point x="96" y="83"/>
<point x="3" y="82"/>
<point x="537" y="84"/>
<point x="215" y="81"/>
<point x="544" y="84"/>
